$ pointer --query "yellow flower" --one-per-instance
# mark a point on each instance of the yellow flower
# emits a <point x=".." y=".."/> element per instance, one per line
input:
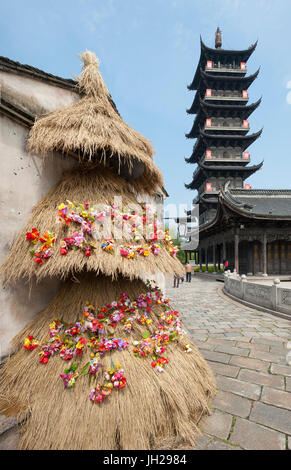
<point x="27" y="342"/>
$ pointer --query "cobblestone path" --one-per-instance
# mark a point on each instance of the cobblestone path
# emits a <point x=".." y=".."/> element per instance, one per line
<point x="247" y="351"/>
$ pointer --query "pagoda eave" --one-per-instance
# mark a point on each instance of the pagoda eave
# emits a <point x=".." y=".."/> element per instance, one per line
<point x="243" y="54"/>
<point x="218" y="54"/>
<point x="242" y="83"/>
<point x="216" y="110"/>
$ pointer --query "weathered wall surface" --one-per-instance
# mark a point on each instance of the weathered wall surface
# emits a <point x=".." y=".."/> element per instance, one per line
<point x="35" y="94"/>
<point x="25" y="179"/>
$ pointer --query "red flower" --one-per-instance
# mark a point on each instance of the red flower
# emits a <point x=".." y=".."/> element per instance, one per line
<point x="44" y="358"/>
<point x="122" y="382"/>
<point x="63" y="251"/>
<point x="154" y="364"/>
<point x="33" y="235"/>
<point x="88" y="253"/>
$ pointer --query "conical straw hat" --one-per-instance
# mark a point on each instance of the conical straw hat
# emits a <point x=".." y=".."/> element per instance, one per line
<point x="92" y="129"/>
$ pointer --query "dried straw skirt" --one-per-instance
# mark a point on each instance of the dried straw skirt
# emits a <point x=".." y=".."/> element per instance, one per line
<point x="152" y="409"/>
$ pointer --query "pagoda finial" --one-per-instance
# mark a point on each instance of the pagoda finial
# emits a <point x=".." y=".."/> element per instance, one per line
<point x="218" y="40"/>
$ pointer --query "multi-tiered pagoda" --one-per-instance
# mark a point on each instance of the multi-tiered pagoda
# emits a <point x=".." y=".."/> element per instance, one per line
<point x="221" y="126"/>
<point x="250" y="228"/>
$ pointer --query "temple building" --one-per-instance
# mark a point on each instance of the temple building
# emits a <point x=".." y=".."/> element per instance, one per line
<point x="248" y="227"/>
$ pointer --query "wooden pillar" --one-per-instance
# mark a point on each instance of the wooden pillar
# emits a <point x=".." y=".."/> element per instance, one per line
<point x="223" y="251"/>
<point x="200" y="258"/>
<point x="265" y="255"/>
<point x="250" y="262"/>
<point x="214" y="257"/>
<point x="206" y="258"/>
<point x="236" y="257"/>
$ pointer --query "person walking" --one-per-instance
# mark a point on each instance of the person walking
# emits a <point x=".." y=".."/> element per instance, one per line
<point x="176" y="280"/>
<point x="188" y="269"/>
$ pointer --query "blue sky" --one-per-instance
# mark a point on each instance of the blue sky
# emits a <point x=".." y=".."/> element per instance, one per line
<point x="148" y="53"/>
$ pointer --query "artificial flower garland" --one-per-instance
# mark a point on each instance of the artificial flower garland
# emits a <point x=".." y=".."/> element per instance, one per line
<point x="44" y="251"/>
<point x="89" y="218"/>
<point x="91" y="333"/>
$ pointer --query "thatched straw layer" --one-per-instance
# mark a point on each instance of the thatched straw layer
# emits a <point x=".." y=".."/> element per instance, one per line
<point x="95" y="187"/>
<point x="92" y="129"/>
<point x="152" y="408"/>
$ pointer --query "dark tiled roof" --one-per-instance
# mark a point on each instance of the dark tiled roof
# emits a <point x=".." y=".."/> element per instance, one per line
<point x="261" y="202"/>
<point x="8" y="65"/>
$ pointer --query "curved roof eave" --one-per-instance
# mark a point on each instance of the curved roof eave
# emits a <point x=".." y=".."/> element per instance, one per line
<point x="247" y="137"/>
<point x="229" y="167"/>
<point x="251" y="107"/>
<point x="238" y="208"/>
<point x="246" y="52"/>
<point x="247" y="80"/>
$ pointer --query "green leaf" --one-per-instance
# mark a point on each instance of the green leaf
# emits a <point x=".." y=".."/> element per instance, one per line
<point x="146" y="334"/>
<point x="85" y="369"/>
<point x="172" y="336"/>
<point x="74" y="366"/>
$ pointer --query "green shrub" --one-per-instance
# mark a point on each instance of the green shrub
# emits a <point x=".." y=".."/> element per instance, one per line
<point x="181" y="256"/>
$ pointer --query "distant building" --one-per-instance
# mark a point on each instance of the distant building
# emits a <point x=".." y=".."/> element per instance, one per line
<point x="251" y="228"/>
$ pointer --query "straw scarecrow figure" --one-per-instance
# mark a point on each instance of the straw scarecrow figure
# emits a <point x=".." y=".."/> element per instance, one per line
<point x="106" y="365"/>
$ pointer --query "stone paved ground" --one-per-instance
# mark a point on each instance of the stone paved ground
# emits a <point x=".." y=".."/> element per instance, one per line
<point x="247" y="351"/>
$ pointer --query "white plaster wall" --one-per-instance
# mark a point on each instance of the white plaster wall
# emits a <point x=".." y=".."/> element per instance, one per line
<point x="48" y="96"/>
<point x="24" y="181"/>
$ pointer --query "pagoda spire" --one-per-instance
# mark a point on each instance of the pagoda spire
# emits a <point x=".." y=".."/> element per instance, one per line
<point x="218" y="40"/>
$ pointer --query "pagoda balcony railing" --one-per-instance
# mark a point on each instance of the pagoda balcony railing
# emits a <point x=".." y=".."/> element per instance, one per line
<point x="215" y="67"/>
<point x="226" y="128"/>
<point x="226" y="95"/>
<point x="209" y="157"/>
<point x="222" y="159"/>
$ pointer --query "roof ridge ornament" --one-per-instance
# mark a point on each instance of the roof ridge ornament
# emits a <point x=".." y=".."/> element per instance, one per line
<point x="218" y="39"/>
